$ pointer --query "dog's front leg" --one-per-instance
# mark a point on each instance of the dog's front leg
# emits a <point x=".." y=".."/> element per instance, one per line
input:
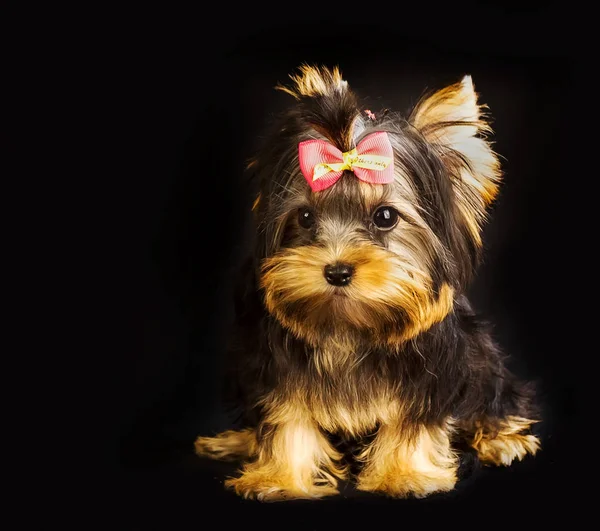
<point x="401" y="462"/>
<point x="293" y="459"/>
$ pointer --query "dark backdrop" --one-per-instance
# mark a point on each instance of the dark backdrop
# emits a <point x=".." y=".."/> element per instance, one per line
<point x="195" y="92"/>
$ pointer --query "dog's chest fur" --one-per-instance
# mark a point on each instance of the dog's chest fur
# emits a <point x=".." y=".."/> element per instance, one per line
<point x="348" y="392"/>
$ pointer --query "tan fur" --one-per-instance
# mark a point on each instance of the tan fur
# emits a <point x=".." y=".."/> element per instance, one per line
<point x="371" y="194"/>
<point x="289" y="455"/>
<point x="228" y="445"/>
<point x="338" y="350"/>
<point x="256" y="203"/>
<point x="356" y="415"/>
<point x="452" y="104"/>
<point x="432" y="312"/>
<point x="399" y="465"/>
<point x="453" y="121"/>
<point x="383" y="281"/>
<point x="295" y="461"/>
<point x="314" y="81"/>
<point x="502" y="447"/>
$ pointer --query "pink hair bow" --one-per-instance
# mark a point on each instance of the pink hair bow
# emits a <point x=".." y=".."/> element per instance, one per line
<point x="322" y="164"/>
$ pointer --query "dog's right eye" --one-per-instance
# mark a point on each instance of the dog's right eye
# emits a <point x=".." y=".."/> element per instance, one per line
<point x="306" y="218"/>
<point x="386" y="218"/>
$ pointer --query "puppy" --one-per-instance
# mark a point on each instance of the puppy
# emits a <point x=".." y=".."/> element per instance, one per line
<point x="353" y="321"/>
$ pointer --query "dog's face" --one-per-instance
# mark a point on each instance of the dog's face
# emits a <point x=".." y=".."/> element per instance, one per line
<point x="385" y="260"/>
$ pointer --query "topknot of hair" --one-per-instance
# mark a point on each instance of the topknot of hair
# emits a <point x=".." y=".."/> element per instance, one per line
<point x="312" y="81"/>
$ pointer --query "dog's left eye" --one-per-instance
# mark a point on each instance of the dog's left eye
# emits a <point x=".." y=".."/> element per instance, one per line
<point x="386" y="218"/>
<point x="306" y="218"/>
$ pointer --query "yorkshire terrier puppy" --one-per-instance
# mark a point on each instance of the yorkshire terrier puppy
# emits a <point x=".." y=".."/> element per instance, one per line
<point x="353" y="321"/>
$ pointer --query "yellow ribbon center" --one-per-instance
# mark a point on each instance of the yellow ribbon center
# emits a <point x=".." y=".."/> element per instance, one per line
<point x="352" y="160"/>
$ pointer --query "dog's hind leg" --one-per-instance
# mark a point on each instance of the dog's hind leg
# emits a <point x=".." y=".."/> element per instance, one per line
<point x="229" y="445"/>
<point x="502" y="441"/>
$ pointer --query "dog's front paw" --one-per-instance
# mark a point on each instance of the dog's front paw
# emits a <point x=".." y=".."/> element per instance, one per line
<point x="403" y="484"/>
<point x="267" y="488"/>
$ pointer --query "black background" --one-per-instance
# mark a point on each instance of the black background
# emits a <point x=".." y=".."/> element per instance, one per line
<point x="194" y="93"/>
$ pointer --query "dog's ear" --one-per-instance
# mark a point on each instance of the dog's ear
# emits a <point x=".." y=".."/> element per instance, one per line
<point x="454" y="123"/>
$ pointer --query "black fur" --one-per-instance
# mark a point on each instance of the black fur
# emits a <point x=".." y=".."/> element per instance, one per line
<point x="466" y="375"/>
<point x="453" y="369"/>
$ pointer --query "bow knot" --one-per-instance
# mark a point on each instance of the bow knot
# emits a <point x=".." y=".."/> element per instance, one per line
<point x="372" y="161"/>
<point x="350" y="157"/>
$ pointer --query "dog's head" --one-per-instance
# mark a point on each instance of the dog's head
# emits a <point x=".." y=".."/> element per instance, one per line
<point x="385" y="260"/>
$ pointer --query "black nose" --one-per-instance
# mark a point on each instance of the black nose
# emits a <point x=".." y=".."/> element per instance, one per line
<point x="338" y="274"/>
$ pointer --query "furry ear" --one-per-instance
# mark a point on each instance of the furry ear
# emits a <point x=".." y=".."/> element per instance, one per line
<point x="453" y="122"/>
